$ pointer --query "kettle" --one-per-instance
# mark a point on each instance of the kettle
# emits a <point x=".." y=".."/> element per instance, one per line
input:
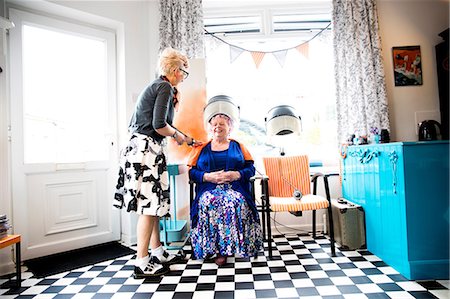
<point x="429" y="130"/>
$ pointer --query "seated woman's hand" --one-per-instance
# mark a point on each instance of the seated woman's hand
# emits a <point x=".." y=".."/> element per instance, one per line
<point x="213" y="177"/>
<point x="222" y="177"/>
<point x="229" y="176"/>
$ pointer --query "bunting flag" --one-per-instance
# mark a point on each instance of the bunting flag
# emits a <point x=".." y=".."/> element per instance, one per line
<point x="234" y="53"/>
<point x="303" y="49"/>
<point x="257" y="57"/>
<point x="280" y="56"/>
<point x="213" y="44"/>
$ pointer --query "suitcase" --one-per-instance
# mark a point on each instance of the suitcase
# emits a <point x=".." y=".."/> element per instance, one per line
<point x="349" y="224"/>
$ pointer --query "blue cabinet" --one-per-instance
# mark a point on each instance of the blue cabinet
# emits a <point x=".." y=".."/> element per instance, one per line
<point x="404" y="189"/>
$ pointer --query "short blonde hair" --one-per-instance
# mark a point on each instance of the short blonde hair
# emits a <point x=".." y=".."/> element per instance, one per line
<point x="171" y="59"/>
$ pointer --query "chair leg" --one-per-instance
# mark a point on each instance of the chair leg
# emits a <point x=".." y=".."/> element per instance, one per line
<point x="330" y="216"/>
<point x="269" y="231"/>
<point x="314" y="223"/>
<point x="263" y="222"/>
<point x="331" y="225"/>
<point x="266" y="209"/>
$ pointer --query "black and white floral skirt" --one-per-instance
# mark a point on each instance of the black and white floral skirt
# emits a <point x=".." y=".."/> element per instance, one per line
<point x="143" y="185"/>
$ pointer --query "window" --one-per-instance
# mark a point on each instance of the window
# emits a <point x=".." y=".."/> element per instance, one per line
<point x="237" y="24"/>
<point x="301" y="79"/>
<point x="66" y="82"/>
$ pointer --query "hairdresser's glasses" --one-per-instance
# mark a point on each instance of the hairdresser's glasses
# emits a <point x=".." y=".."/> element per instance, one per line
<point x="185" y="74"/>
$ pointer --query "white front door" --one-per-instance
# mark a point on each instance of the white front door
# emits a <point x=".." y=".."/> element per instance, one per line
<point x="63" y="133"/>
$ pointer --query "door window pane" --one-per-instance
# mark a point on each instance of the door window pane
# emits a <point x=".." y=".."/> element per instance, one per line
<point x="64" y="97"/>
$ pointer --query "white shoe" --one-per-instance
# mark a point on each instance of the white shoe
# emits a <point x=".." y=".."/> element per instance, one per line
<point x="152" y="269"/>
<point x="167" y="258"/>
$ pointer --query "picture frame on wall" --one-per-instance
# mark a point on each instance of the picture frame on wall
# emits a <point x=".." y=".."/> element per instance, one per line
<point x="407" y="65"/>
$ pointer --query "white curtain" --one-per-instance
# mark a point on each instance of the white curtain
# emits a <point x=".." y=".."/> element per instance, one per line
<point x="181" y="26"/>
<point x="359" y="72"/>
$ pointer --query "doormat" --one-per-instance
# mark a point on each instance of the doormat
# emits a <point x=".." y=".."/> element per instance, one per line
<point x="66" y="261"/>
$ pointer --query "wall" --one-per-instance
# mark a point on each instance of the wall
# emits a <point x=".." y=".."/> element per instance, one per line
<point x="410" y="23"/>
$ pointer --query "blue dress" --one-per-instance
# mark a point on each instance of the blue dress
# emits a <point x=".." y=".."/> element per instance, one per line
<point x="224" y="219"/>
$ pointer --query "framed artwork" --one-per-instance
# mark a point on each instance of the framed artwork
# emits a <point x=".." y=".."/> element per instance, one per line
<point x="407" y="65"/>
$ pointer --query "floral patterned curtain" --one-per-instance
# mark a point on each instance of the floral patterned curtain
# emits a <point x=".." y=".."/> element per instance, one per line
<point x="359" y="72"/>
<point x="181" y="26"/>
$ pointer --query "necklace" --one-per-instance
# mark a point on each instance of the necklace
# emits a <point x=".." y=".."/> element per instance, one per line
<point x="175" y="92"/>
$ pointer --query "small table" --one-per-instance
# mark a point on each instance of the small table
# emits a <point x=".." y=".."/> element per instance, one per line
<point x="8" y="241"/>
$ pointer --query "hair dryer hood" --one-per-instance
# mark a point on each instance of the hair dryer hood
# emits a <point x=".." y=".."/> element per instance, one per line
<point x="221" y="104"/>
<point x="282" y="120"/>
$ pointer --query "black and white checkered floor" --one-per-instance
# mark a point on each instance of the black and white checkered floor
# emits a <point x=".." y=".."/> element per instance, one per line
<point x="301" y="268"/>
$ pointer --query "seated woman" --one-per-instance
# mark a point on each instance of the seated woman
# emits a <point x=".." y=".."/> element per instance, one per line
<point x="224" y="219"/>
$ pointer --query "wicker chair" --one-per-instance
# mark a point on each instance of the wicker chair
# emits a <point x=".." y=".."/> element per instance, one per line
<point x="284" y="176"/>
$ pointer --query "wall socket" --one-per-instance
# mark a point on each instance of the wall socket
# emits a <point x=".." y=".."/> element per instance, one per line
<point x="420" y="116"/>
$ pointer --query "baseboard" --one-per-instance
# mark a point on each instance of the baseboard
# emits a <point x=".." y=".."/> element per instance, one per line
<point x="128" y="240"/>
<point x="6" y="267"/>
<point x="295" y="229"/>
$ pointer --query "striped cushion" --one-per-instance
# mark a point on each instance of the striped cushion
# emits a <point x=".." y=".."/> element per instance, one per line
<point x="285" y="173"/>
<point x="307" y="203"/>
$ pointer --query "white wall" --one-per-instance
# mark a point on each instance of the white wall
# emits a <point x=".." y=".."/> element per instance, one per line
<point x="410" y="23"/>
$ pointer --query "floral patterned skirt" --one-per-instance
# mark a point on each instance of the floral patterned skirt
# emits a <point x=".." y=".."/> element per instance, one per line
<point x="142" y="185"/>
<point x="225" y="225"/>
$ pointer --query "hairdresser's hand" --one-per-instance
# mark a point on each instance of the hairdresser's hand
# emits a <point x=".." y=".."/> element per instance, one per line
<point x="197" y="143"/>
<point x="179" y="138"/>
<point x="192" y="142"/>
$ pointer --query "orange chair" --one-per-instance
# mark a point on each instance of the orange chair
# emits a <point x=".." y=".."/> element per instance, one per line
<point x="286" y="175"/>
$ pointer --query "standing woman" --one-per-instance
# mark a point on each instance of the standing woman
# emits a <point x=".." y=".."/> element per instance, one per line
<point x="143" y="185"/>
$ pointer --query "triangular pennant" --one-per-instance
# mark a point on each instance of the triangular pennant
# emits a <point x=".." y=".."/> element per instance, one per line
<point x="257" y="57"/>
<point x="234" y="53"/>
<point x="304" y="50"/>
<point x="212" y="43"/>
<point x="280" y="56"/>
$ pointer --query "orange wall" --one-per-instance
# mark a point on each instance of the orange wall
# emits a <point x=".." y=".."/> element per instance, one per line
<point x="189" y="117"/>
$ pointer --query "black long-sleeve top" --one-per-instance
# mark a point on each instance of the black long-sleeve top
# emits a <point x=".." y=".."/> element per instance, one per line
<point x="154" y="109"/>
